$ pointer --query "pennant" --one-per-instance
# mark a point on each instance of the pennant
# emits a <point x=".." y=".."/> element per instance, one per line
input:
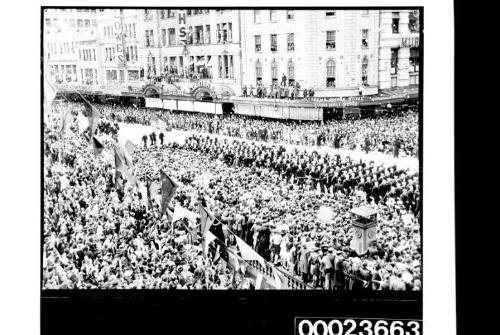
<point x="277" y="278"/>
<point x="168" y="188"/>
<point x="97" y="146"/>
<point x="247" y="253"/>
<point x="93" y="115"/>
<point x="258" y="281"/>
<point x="209" y="239"/>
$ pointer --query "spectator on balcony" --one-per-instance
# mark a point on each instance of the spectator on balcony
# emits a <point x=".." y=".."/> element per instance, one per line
<point x="244" y="91"/>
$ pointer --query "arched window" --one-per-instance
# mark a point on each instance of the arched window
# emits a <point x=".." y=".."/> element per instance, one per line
<point x="330" y="73"/>
<point x="291" y="73"/>
<point x="364" y="71"/>
<point x="258" y="72"/>
<point x="274" y="72"/>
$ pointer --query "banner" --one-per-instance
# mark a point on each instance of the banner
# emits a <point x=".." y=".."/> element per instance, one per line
<point x="121" y="168"/>
<point x="247" y="253"/>
<point x="168" y="188"/>
<point x="154" y="103"/>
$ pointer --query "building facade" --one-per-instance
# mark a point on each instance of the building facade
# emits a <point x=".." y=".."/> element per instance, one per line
<point x="334" y="52"/>
<point x="399" y="59"/>
<point x="339" y="53"/>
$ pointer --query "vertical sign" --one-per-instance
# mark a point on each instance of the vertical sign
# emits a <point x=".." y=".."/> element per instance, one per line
<point x="119" y="39"/>
<point x="181" y="19"/>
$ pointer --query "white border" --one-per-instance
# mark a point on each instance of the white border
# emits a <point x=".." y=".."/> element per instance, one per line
<point x="20" y="168"/>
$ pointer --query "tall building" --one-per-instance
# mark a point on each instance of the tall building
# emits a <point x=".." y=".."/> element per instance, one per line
<point x="339" y="53"/>
<point x="192" y="44"/>
<point x="334" y="51"/>
<point x="399" y="48"/>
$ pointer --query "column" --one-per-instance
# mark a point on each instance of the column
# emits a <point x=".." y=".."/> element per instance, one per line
<point x="384" y="68"/>
<point x="403" y="67"/>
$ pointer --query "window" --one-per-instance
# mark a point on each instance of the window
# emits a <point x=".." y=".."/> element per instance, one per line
<point x="94" y="23"/>
<point x="149" y="38"/>
<point x="395" y="23"/>
<point x="148" y="14"/>
<point x="274" y="72"/>
<point x="256" y="16"/>
<point x="170" y="13"/>
<point x="206" y="11"/>
<point x="414" y="60"/>
<point x="171" y="36"/>
<point x="330" y="73"/>
<point x="188" y="12"/>
<point x="79" y="23"/>
<point x="330" y="40"/>
<point x="272" y="15"/>
<point x="133" y="26"/>
<point x="207" y="34"/>
<point x="164" y="37"/>
<point x="111" y="75"/>
<point x="330" y="13"/>
<point x="364" y="38"/>
<point x="291" y="73"/>
<point x="133" y="74"/>
<point x="364" y="71"/>
<point x="290" y="15"/>
<point x="93" y="53"/>
<point x="258" y="44"/>
<point x="274" y="42"/>
<point x="87" y="23"/>
<point x="80" y="54"/>
<point x="47" y="23"/>
<point x="394" y="61"/>
<point x="163" y="14"/>
<point x="290" y="42"/>
<point x="198" y="35"/>
<point x="258" y="71"/>
<point x="414" y="23"/>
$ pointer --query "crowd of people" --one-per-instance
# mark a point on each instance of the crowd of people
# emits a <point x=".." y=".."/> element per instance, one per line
<point x="99" y="233"/>
<point x="393" y="135"/>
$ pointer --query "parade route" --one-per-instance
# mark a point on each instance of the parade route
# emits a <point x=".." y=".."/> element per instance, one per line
<point x="134" y="133"/>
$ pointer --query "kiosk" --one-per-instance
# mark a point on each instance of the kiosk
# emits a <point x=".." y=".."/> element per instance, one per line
<point x="364" y="223"/>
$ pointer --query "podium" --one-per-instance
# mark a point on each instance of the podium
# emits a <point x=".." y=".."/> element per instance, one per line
<point x="364" y="223"/>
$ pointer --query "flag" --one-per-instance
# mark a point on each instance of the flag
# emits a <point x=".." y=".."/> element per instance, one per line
<point x="144" y="194"/>
<point x="130" y="147"/>
<point x="207" y="219"/>
<point x="93" y="115"/>
<point x="247" y="253"/>
<point x="49" y="93"/>
<point x="180" y="213"/>
<point x="83" y="123"/>
<point x="277" y="278"/>
<point x="168" y="187"/>
<point x="209" y="239"/>
<point x="152" y="189"/>
<point x="128" y="150"/>
<point x="120" y="166"/>
<point x="233" y="260"/>
<point x="97" y="146"/>
<point x="258" y="281"/>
